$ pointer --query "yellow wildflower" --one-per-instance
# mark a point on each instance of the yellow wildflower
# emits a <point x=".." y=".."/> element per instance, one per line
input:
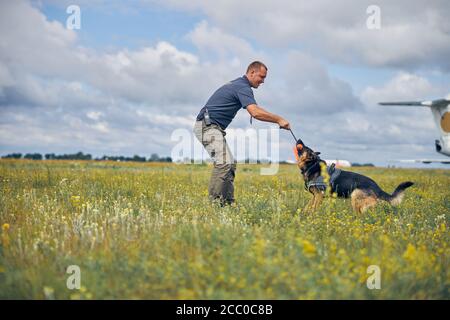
<point x="308" y="248"/>
<point x="410" y="252"/>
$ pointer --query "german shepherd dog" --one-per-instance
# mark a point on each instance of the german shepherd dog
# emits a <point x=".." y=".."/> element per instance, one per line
<point x="363" y="191"/>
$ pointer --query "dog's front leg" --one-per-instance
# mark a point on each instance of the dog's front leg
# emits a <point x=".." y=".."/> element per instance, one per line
<point x="318" y="198"/>
<point x="315" y="201"/>
<point x="309" y="207"/>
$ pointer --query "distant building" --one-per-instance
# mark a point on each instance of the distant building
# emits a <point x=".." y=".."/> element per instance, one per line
<point x="339" y="163"/>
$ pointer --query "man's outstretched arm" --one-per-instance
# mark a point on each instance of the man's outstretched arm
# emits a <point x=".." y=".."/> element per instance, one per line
<point x="263" y="115"/>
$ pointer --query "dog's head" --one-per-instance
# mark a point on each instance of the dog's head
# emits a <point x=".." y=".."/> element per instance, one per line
<point x="305" y="155"/>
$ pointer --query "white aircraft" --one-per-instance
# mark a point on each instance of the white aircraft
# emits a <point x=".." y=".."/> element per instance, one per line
<point x="441" y="112"/>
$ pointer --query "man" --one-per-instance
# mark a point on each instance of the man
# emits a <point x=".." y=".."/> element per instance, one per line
<point x="217" y="114"/>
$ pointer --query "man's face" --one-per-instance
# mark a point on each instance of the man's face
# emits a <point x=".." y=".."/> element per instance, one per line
<point x="256" y="77"/>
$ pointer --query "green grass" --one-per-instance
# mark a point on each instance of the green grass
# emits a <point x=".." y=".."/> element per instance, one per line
<point x="148" y="231"/>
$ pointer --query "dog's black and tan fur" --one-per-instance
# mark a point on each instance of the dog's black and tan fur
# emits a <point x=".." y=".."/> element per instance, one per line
<point x="363" y="191"/>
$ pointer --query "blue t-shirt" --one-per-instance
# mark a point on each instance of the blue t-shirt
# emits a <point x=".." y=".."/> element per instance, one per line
<point x="227" y="100"/>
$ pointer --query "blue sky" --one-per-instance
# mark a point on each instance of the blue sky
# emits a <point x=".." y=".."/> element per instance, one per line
<point x="107" y="28"/>
<point x="138" y="70"/>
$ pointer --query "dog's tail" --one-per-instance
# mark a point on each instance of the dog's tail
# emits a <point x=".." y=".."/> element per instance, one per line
<point x="397" y="196"/>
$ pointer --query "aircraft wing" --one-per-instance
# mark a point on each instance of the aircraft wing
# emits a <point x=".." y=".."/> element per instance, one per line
<point x="427" y="161"/>
<point x="434" y="103"/>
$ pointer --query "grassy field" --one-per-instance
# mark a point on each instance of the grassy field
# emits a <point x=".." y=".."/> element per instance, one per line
<point x="147" y="231"/>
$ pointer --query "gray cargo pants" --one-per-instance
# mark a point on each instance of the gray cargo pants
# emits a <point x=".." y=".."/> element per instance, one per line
<point x="212" y="137"/>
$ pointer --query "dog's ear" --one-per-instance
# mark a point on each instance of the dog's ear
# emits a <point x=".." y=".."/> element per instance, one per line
<point x="316" y="153"/>
<point x="300" y="146"/>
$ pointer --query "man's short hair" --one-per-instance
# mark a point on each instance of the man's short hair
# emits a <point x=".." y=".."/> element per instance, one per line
<point x="256" y="65"/>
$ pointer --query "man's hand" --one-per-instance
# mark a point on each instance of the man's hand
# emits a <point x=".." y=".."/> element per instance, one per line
<point x="284" y="124"/>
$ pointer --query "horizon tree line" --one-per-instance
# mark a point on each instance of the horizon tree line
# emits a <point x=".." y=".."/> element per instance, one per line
<point x="81" y="156"/>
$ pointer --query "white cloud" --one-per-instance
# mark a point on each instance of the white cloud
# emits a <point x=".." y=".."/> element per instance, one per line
<point x="411" y="126"/>
<point x="101" y="127"/>
<point x="94" y="115"/>
<point x="212" y="41"/>
<point x="403" y="86"/>
<point x="304" y="86"/>
<point x="35" y="50"/>
<point x="412" y="34"/>
<point x="29" y="41"/>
